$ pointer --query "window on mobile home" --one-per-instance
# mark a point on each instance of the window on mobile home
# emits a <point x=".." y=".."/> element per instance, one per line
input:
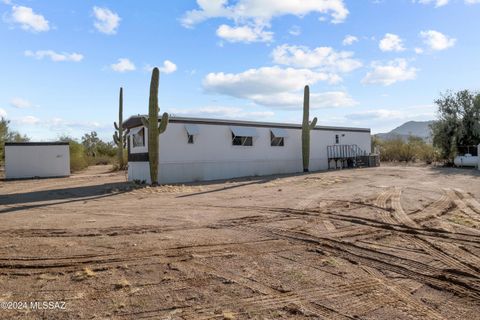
<point x="192" y="131"/>
<point x="277" y="137"/>
<point x="243" y="136"/>
<point x="242" y="141"/>
<point x="138" y="138"/>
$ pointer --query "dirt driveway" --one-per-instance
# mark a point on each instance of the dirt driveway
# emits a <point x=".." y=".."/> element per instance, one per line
<point x="380" y="243"/>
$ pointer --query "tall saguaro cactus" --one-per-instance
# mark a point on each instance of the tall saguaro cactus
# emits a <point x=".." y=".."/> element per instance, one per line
<point x="120" y="137"/>
<point x="306" y="127"/>
<point x="154" y="128"/>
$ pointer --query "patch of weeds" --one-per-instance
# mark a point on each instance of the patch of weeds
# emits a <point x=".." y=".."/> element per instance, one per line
<point x="85" y="274"/>
<point x="48" y="277"/>
<point x="330" y="261"/>
<point x="462" y="221"/>
<point x="122" y="284"/>
<point x="228" y="315"/>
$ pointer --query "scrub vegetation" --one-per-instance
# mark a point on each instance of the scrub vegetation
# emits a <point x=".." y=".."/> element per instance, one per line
<point x="91" y="150"/>
<point x="457" y="127"/>
<point x="8" y="135"/>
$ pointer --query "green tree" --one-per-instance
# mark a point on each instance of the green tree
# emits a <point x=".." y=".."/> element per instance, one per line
<point x="7" y="135"/>
<point x="90" y="142"/>
<point x="458" y="124"/>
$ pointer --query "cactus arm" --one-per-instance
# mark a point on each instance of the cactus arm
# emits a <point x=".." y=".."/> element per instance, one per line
<point x="116" y="126"/>
<point x="115" y="139"/>
<point x="144" y="121"/>
<point x="163" y="123"/>
<point x="314" y="123"/>
<point x="116" y="136"/>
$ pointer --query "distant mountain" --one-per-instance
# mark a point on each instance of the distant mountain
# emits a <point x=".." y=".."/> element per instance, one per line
<point x="419" y="129"/>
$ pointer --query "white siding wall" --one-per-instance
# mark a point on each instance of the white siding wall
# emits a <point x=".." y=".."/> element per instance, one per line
<point x="213" y="156"/>
<point x="29" y="161"/>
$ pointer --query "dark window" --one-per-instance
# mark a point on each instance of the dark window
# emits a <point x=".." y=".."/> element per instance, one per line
<point x="276" y="141"/>
<point x="138" y="138"/>
<point x="242" y="141"/>
<point x="190" y="138"/>
<point x="337" y="139"/>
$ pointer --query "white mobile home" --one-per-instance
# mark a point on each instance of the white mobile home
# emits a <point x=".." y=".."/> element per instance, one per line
<point x="36" y="160"/>
<point x="194" y="149"/>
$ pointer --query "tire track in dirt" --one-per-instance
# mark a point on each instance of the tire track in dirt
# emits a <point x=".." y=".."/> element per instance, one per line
<point x="400" y="214"/>
<point x="457" y="282"/>
<point x="464" y="202"/>
<point x="438" y="208"/>
<point x="382" y="202"/>
<point x="37" y="265"/>
<point x="417" y="308"/>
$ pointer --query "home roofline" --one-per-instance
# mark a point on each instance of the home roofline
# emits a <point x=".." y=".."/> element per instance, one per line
<point x="134" y="121"/>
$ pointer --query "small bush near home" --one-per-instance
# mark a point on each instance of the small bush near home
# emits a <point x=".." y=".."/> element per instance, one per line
<point x="412" y="150"/>
<point x="90" y="151"/>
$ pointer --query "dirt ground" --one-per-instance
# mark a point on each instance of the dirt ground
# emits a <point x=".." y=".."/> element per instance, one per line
<point x="378" y="243"/>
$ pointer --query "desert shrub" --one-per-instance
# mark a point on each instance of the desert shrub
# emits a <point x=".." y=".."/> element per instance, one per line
<point x="414" y="149"/>
<point x="78" y="158"/>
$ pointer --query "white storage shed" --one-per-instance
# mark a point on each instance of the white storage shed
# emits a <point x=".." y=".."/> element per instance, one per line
<point x="195" y="149"/>
<point x="36" y="160"/>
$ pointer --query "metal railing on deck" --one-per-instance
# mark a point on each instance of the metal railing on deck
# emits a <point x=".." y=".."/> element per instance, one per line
<point x="344" y="151"/>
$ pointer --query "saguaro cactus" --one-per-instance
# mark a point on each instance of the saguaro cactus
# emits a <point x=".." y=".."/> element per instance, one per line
<point x="120" y="137"/>
<point x="154" y="128"/>
<point x="306" y="127"/>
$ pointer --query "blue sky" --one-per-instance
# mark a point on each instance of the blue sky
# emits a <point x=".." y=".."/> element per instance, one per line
<point x="369" y="63"/>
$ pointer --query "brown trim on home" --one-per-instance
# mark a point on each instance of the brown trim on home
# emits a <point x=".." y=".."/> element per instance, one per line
<point x="36" y="143"/>
<point x="138" y="157"/>
<point x="135" y="121"/>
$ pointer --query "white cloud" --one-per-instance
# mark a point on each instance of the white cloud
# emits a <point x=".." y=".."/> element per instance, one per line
<point x="349" y="40"/>
<point x="54" y="56"/>
<point x="324" y="58"/>
<point x="418" y="50"/>
<point x="28" y="19"/>
<point x="375" y="114"/>
<point x="295" y="31"/>
<point x="27" y="120"/>
<point x="264" y="80"/>
<point x="276" y="87"/>
<point x="106" y="21"/>
<point x="437" y="40"/>
<point x="252" y="17"/>
<point x="221" y="112"/>
<point x="262" y="11"/>
<point x="244" y="34"/>
<point x="123" y="65"/>
<point x="3" y="113"/>
<point x="441" y="3"/>
<point x="390" y="73"/>
<point x="20" y="103"/>
<point x="168" y="67"/>
<point x="329" y="99"/>
<point x="438" y="3"/>
<point x="391" y="42"/>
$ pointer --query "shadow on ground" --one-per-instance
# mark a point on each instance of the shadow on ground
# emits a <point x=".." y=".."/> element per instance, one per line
<point x="72" y="194"/>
